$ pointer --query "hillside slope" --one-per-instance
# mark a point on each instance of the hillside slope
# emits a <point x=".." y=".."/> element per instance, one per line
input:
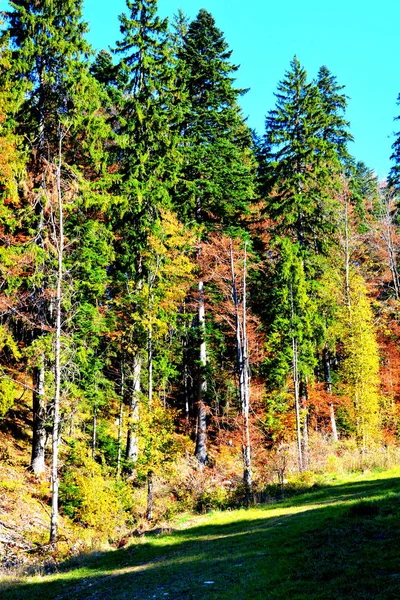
<point x="340" y="541"/>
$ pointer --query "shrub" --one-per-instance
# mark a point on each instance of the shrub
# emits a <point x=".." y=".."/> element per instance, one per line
<point x="90" y="496"/>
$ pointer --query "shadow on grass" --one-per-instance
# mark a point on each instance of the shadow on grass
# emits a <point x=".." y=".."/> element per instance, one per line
<point x="330" y="551"/>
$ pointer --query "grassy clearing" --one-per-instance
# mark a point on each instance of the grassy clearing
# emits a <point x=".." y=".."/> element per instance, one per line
<point x="340" y="541"/>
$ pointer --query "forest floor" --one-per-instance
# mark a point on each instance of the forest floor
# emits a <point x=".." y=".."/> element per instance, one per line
<point x="340" y="541"/>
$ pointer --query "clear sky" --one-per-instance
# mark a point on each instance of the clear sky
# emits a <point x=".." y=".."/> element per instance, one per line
<point x="356" y="39"/>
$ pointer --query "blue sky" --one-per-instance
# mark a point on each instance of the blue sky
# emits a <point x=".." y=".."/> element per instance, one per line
<point x="355" y="39"/>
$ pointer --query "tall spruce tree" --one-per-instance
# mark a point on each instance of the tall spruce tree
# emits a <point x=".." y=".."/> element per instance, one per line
<point x="301" y="152"/>
<point x="216" y="177"/>
<point x="301" y="162"/>
<point x="394" y="174"/>
<point x="335" y="130"/>
<point x="62" y="113"/>
<point x="147" y="161"/>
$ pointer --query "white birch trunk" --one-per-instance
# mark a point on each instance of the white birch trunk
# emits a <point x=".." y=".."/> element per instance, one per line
<point x="132" y="446"/>
<point x="201" y="425"/>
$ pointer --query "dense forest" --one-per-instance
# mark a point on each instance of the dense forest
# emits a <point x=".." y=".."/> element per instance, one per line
<point x="190" y="310"/>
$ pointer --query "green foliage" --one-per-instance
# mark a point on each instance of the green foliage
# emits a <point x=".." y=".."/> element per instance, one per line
<point x="300" y="158"/>
<point x="293" y="316"/>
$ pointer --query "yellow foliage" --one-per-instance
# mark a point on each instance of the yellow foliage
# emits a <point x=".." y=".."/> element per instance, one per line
<point x="360" y="370"/>
<point x="95" y="499"/>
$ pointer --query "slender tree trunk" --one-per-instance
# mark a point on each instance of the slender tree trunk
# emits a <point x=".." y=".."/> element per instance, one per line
<point x="186" y="375"/>
<point x="247" y="475"/>
<point x="150" y="492"/>
<point x="304" y="406"/>
<point x="387" y="222"/>
<point x="132" y="448"/>
<point x="57" y="395"/>
<point x="186" y="388"/>
<point x="201" y="425"/>
<point x="328" y="384"/>
<point x="150" y="364"/>
<point x="296" y="384"/>
<point x="121" y="420"/>
<point x="347" y="253"/>
<point x="94" y="434"/>
<point x="243" y="369"/>
<point x="37" y="464"/>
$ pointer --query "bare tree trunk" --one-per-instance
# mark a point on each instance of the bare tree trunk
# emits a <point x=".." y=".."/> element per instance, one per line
<point x="328" y="383"/>
<point x="132" y="448"/>
<point x="243" y="369"/>
<point x="247" y="475"/>
<point x="94" y="435"/>
<point x="304" y="405"/>
<point x="57" y="371"/>
<point x="201" y="425"/>
<point x="37" y="464"/>
<point x="296" y="384"/>
<point x="186" y="388"/>
<point x="120" y="420"/>
<point x="347" y="252"/>
<point x="150" y="490"/>
<point x="150" y="364"/>
<point x="388" y="234"/>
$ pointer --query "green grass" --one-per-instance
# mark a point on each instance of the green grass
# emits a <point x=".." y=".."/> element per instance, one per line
<point x="337" y="542"/>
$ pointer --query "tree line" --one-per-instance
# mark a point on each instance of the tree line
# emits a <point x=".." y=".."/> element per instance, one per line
<point x="171" y="281"/>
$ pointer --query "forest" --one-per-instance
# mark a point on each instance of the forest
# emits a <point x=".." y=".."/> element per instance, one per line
<point x="191" y="312"/>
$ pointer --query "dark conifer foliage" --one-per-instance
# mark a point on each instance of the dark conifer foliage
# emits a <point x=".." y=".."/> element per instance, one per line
<point x="48" y="46"/>
<point x="394" y="175"/>
<point x="303" y="143"/>
<point x="216" y="181"/>
<point x="334" y="103"/>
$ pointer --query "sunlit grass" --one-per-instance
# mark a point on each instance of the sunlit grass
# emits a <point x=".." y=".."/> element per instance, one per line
<point x="339" y="541"/>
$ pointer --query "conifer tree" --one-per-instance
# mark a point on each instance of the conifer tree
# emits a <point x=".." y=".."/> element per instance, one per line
<point x="394" y="174"/>
<point x="334" y="102"/>
<point x="216" y="179"/>
<point x="302" y="156"/>
<point x="301" y="149"/>
<point x="61" y="112"/>
<point x="146" y="156"/>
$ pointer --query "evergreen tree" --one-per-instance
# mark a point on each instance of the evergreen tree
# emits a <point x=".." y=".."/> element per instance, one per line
<point x="302" y="157"/>
<point x="62" y="112"/>
<point x="394" y="174"/>
<point x="217" y="172"/>
<point x="301" y="151"/>
<point x="333" y="102"/>
<point x="215" y="182"/>
<point x="146" y="158"/>
<point x="47" y="41"/>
